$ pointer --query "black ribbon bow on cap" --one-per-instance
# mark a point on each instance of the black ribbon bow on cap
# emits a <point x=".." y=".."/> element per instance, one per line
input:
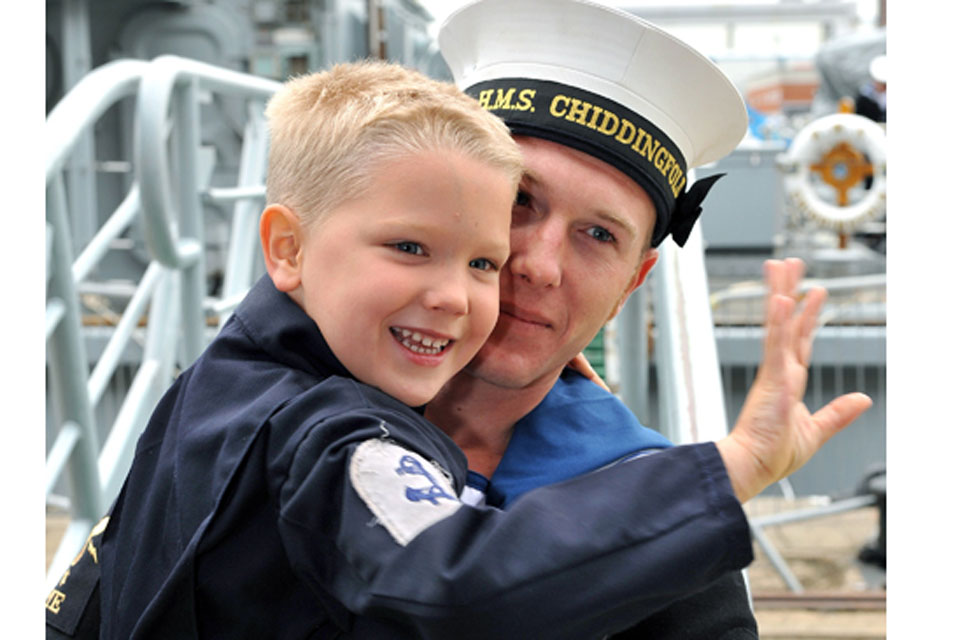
<point x="688" y="209"/>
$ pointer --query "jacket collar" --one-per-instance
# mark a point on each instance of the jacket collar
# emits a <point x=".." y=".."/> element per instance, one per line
<point x="281" y="328"/>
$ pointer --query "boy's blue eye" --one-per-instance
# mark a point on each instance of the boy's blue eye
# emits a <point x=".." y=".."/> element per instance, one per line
<point x="483" y="264"/>
<point x="601" y="234"/>
<point x="409" y="247"/>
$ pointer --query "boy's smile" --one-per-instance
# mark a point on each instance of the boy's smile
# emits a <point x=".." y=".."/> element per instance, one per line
<point x="403" y="279"/>
<point x="419" y="343"/>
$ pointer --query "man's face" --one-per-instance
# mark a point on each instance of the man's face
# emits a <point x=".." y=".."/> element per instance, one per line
<point x="578" y="246"/>
<point x="402" y="280"/>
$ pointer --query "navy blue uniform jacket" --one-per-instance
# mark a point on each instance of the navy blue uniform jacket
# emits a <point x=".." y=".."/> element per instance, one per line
<point x="576" y="429"/>
<point x="240" y="517"/>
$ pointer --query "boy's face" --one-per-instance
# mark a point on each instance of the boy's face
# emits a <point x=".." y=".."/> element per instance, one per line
<point x="403" y="280"/>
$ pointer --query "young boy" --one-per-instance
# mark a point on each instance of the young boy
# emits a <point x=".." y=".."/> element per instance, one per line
<point x="390" y="199"/>
<point x="285" y="488"/>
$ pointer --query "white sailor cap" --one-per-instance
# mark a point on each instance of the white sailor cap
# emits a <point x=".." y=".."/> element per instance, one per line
<point x="878" y="68"/>
<point x="604" y="82"/>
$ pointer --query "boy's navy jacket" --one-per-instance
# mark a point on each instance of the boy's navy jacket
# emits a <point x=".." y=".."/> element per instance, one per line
<point x="241" y="516"/>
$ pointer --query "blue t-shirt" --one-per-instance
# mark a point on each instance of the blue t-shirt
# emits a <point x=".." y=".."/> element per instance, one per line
<point x="577" y="428"/>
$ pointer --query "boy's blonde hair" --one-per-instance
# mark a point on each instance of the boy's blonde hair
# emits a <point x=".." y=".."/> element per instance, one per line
<point x="329" y="132"/>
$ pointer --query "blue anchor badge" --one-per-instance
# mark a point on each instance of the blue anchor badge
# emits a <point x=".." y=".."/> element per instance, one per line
<point x="412" y="467"/>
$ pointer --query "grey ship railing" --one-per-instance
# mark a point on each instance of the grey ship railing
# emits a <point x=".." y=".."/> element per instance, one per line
<point x="852" y="326"/>
<point x="693" y="404"/>
<point x="690" y="401"/>
<point x="170" y="295"/>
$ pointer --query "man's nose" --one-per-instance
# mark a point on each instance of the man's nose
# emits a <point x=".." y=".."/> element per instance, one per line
<point x="536" y="254"/>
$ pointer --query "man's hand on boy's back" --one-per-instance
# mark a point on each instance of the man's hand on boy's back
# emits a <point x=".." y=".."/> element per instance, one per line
<point x="775" y="433"/>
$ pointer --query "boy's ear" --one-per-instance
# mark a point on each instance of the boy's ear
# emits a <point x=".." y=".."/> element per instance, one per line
<point x="281" y="237"/>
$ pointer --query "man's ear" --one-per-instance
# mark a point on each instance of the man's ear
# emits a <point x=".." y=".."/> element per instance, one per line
<point x="646" y="264"/>
<point x="281" y="237"/>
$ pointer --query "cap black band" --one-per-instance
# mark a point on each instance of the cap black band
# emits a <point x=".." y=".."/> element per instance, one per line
<point x="595" y="125"/>
<point x="607" y="130"/>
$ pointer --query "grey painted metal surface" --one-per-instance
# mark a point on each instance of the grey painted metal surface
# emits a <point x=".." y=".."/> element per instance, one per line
<point x="691" y="394"/>
<point x="745" y="208"/>
<point x="843" y="13"/>
<point x="170" y="297"/>
<point x="173" y="214"/>
<point x="841" y="464"/>
<point x="243" y="252"/>
<point x="76" y="448"/>
<point x="633" y="331"/>
<point x="849" y="354"/>
<point x="83" y="106"/>
<point x="80" y="172"/>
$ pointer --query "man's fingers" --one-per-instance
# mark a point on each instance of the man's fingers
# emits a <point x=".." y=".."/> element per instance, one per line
<point x="812" y="304"/>
<point x="775" y="273"/>
<point x="784" y="276"/>
<point x="839" y="413"/>
<point x="779" y="331"/>
<point x="789" y="335"/>
<point x="581" y="365"/>
<point x="794" y="268"/>
<point x="806" y="323"/>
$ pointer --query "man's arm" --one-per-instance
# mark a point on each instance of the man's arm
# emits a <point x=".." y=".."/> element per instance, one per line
<point x="775" y="433"/>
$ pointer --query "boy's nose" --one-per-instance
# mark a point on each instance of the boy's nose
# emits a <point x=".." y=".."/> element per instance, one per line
<point x="449" y="295"/>
<point x="536" y="254"/>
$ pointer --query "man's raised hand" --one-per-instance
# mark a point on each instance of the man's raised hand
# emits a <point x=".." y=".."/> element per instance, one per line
<point x="775" y="433"/>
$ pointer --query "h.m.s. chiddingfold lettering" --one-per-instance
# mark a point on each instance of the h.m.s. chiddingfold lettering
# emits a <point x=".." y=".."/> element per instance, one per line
<point x="596" y="118"/>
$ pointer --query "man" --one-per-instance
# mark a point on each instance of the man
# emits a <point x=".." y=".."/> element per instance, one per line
<point x="872" y="97"/>
<point x="609" y="112"/>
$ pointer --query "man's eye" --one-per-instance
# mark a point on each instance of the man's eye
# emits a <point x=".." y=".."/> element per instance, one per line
<point x="483" y="264"/>
<point x="413" y="248"/>
<point x="601" y="234"/>
<point x="523" y="199"/>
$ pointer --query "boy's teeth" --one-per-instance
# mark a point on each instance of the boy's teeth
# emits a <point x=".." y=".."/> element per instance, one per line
<point x="419" y="343"/>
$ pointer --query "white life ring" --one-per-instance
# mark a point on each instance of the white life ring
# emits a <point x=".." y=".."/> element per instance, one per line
<point x="843" y="149"/>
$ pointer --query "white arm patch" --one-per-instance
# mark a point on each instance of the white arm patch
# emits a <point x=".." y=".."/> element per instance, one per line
<point x="404" y="491"/>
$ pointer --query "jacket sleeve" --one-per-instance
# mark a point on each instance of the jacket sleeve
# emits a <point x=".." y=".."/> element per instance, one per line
<point x="579" y="559"/>
<point x="73" y="605"/>
<point x="721" y="611"/>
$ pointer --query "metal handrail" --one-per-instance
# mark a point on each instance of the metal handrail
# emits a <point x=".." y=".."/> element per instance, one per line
<point x="174" y="232"/>
<point x="167" y="74"/>
<point x="84" y="105"/>
<point x="76" y="445"/>
<point x="691" y="402"/>
<point x="169" y="294"/>
<point x="757" y="290"/>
